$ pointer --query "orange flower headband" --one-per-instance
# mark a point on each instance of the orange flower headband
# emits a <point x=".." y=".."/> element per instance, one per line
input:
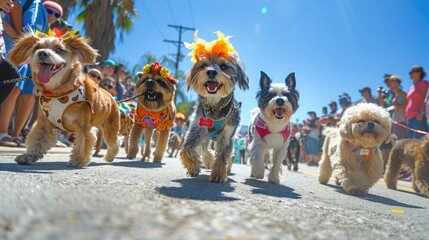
<point x="55" y="33"/>
<point x="156" y="68"/>
<point x="201" y="48"/>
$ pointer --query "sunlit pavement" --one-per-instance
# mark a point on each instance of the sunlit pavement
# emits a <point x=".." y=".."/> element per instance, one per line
<point x="131" y="199"/>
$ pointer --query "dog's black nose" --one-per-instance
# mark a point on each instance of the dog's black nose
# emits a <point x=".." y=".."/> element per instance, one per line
<point x="280" y="101"/>
<point x="370" y="125"/>
<point x="150" y="83"/>
<point x="42" y="54"/>
<point x="211" y="73"/>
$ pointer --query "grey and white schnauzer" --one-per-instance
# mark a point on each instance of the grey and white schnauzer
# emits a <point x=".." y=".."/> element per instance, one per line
<point x="216" y="114"/>
<point x="269" y="127"/>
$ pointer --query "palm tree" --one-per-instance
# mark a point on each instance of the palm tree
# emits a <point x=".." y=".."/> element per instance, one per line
<point x="102" y="19"/>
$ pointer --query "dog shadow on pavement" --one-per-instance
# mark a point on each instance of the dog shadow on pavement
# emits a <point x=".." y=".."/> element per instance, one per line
<point x="129" y="163"/>
<point x="375" y="198"/>
<point x="269" y="189"/>
<point x="38" y="167"/>
<point x="199" y="188"/>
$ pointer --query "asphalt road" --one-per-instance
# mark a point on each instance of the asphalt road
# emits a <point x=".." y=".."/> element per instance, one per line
<point x="130" y="199"/>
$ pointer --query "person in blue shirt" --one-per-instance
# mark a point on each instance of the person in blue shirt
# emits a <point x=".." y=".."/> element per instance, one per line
<point x="33" y="16"/>
<point x="7" y="71"/>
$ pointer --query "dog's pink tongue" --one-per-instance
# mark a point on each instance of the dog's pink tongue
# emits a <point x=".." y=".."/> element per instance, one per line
<point x="44" y="74"/>
<point x="212" y="86"/>
<point x="280" y="112"/>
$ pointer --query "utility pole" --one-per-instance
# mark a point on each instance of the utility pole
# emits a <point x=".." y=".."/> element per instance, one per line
<point x="178" y="43"/>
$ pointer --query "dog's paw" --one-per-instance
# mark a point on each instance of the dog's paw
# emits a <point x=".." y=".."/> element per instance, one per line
<point x="157" y="159"/>
<point x="257" y="174"/>
<point x="337" y="181"/>
<point x="355" y="190"/>
<point x="272" y="178"/>
<point x="193" y="173"/>
<point x="392" y="186"/>
<point x="415" y="188"/>
<point x="77" y="163"/>
<point x="26" y="159"/>
<point x="217" y="178"/>
<point x="131" y="156"/>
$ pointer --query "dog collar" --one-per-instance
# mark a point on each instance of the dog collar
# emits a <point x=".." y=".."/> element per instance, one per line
<point x="214" y="126"/>
<point x="216" y="108"/>
<point x="262" y="129"/>
<point x="49" y="94"/>
<point x="363" y="154"/>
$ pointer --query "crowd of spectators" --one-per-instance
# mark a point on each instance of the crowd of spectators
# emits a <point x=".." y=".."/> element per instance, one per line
<point x="409" y="111"/>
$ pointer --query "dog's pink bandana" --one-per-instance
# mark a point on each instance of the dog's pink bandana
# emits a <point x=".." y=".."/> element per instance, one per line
<point x="263" y="131"/>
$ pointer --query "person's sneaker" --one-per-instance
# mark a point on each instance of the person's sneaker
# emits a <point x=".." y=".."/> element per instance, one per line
<point x="60" y="144"/>
<point x="7" y="141"/>
<point x="409" y="178"/>
<point x="19" y="142"/>
<point x="404" y="175"/>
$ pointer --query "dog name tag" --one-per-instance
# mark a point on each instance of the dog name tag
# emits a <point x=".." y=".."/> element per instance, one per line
<point x="206" y="122"/>
<point x="364" y="151"/>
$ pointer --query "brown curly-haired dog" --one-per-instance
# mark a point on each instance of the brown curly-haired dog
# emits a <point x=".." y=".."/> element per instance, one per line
<point x="415" y="154"/>
<point x="69" y="100"/>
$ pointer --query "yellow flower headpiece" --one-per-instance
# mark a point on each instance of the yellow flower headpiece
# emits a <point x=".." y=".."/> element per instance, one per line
<point x="156" y="68"/>
<point x="201" y="48"/>
<point x="55" y="33"/>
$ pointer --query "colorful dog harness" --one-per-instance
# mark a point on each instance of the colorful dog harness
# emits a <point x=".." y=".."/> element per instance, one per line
<point x="54" y="107"/>
<point x="161" y="120"/>
<point x="262" y="129"/>
<point x="214" y="126"/>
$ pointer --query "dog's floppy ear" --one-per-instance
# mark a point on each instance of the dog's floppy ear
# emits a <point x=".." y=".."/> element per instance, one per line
<point x="81" y="47"/>
<point x="345" y="129"/>
<point x="21" y="51"/>
<point x="264" y="81"/>
<point x="290" y="80"/>
<point x="242" y="78"/>
<point x="139" y="75"/>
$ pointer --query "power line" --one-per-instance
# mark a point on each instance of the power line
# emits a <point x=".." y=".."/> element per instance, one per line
<point x="192" y="14"/>
<point x="171" y="11"/>
<point x="153" y="20"/>
<point x="178" y="43"/>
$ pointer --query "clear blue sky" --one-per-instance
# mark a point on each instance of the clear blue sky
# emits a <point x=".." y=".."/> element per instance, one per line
<point x="333" y="46"/>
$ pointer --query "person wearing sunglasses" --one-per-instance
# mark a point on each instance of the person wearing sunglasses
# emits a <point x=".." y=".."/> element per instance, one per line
<point x="108" y="84"/>
<point x="54" y="11"/>
<point x="95" y="75"/>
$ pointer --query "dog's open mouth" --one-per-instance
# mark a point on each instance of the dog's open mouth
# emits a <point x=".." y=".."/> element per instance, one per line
<point x="212" y="87"/>
<point x="47" y="70"/>
<point x="152" y="95"/>
<point x="279" y="113"/>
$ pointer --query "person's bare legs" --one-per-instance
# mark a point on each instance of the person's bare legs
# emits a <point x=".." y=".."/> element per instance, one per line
<point x="24" y="106"/>
<point x="7" y="108"/>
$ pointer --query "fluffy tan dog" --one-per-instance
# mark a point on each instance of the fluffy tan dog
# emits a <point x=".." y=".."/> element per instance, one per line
<point x="69" y="100"/>
<point x="155" y="110"/>
<point x="351" y="151"/>
<point x="415" y="154"/>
